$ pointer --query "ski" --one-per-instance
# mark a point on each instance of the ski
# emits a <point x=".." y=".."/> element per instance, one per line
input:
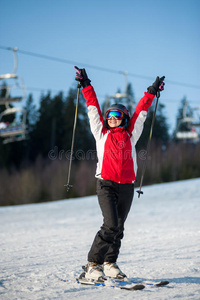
<point x="114" y="284"/>
<point x="151" y="283"/>
<point x="126" y="280"/>
<point x="158" y="284"/>
<point x="123" y="284"/>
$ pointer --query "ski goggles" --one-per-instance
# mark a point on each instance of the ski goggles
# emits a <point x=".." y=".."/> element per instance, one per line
<point x="117" y="114"/>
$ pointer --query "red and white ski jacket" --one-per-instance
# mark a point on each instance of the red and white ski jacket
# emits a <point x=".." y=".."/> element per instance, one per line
<point x="116" y="151"/>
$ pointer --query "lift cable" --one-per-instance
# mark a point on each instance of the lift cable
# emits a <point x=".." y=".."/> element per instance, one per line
<point x="43" y="56"/>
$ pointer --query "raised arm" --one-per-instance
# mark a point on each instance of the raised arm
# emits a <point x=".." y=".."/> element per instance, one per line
<point x="94" y="112"/>
<point x="137" y="121"/>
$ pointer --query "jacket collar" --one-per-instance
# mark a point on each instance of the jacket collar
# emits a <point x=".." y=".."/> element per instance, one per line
<point x="117" y="129"/>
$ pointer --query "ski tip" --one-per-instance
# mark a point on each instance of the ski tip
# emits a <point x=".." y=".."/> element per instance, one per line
<point x="162" y="283"/>
<point x="138" y="287"/>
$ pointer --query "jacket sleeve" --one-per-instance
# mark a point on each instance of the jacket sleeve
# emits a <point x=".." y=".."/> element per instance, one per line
<point x="94" y="112"/>
<point x="137" y="121"/>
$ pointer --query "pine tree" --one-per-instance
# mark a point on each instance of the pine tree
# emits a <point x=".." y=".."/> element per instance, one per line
<point x="48" y="130"/>
<point x="130" y="99"/>
<point x="160" y="129"/>
<point x="84" y="140"/>
<point x="31" y="113"/>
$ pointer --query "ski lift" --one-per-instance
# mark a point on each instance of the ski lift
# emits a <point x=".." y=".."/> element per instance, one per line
<point x="15" y="82"/>
<point x="188" y="135"/>
<point x="122" y="98"/>
<point x="186" y="127"/>
<point x="15" y="130"/>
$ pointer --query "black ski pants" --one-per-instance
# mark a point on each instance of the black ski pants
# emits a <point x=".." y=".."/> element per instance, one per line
<point x="115" y="202"/>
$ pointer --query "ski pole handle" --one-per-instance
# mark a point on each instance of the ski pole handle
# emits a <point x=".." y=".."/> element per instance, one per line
<point x="78" y="74"/>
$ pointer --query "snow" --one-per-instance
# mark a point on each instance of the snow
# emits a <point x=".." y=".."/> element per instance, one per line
<point x="43" y="242"/>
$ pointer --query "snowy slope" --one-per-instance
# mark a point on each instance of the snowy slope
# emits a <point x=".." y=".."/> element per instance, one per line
<point x="41" y="242"/>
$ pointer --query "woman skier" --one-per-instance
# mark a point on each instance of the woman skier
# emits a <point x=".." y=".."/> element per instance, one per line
<point x="116" y="138"/>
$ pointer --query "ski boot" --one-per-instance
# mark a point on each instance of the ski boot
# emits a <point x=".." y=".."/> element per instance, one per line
<point x="94" y="271"/>
<point x="112" y="270"/>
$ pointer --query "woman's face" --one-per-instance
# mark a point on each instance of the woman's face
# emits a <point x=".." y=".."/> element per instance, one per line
<point x="112" y="122"/>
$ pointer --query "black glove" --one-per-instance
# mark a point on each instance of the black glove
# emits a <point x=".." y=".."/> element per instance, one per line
<point x="82" y="77"/>
<point x="158" y="85"/>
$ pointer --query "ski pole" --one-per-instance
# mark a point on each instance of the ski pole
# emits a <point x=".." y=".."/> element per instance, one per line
<point x="68" y="185"/>
<point x="148" y="146"/>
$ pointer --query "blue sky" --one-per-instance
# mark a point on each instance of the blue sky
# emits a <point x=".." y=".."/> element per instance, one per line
<point x="143" y="37"/>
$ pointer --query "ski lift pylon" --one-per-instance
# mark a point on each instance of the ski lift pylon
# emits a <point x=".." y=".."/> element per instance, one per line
<point x="124" y="97"/>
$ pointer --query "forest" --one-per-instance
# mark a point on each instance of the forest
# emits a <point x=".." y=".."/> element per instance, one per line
<point x="36" y="169"/>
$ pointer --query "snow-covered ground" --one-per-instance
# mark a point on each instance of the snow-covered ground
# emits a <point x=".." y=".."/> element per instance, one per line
<point x="43" y="242"/>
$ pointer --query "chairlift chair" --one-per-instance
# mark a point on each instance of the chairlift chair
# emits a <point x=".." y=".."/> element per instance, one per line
<point x="17" y="84"/>
<point x="13" y="132"/>
<point x="189" y="133"/>
<point x="186" y="127"/>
